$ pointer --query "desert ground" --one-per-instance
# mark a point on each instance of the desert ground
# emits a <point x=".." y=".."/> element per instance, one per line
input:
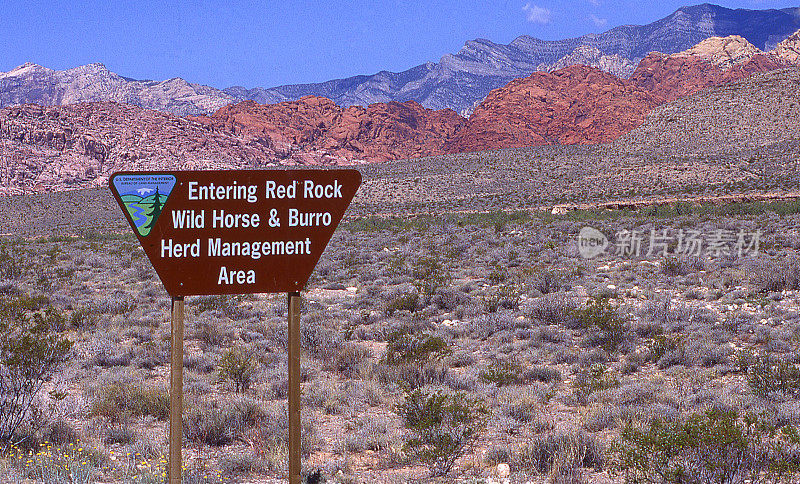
<point x="450" y="277"/>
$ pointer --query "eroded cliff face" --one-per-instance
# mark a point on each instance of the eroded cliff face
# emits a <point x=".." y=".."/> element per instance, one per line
<point x="379" y="132"/>
<point x="79" y="145"/>
<point x="582" y="104"/>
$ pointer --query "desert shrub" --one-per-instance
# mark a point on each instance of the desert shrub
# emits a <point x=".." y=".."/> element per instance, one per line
<point x="350" y="359"/>
<point x="109" y="354"/>
<point x="544" y="374"/>
<point x="322" y="342"/>
<point x="559" y="452"/>
<point x="594" y="355"/>
<point x="767" y="374"/>
<point x="496" y="456"/>
<point x="83" y="318"/>
<point x="600" y="315"/>
<point x="403" y="346"/>
<point x="486" y="325"/>
<point x="524" y="403"/>
<point x="708" y="354"/>
<point x="30" y="352"/>
<point x="665" y="312"/>
<point x="594" y="378"/>
<point x="60" y="432"/>
<point x="198" y="363"/>
<point x="497" y="275"/>
<point x="270" y="436"/>
<point x="370" y="434"/>
<point x="775" y="276"/>
<point x="502" y="373"/>
<point x="10" y="268"/>
<point x="218" y="423"/>
<point x="237" y="366"/>
<point x="119" y="434"/>
<point x="461" y="359"/>
<point x="680" y="266"/>
<point x="405" y="302"/>
<point x="662" y="344"/>
<point x="545" y="281"/>
<point x="226" y="304"/>
<point x="211" y="332"/>
<point x="506" y="296"/>
<point x="442" y="427"/>
<point x="716" y="447"/>
<point x="450" y="299"/>
<point x="119" y="401"/>
<point x="556" y="308"/>
<point x="412" y="375"/>
<point x="429" y="275"/>
<point x="241" y="463"/>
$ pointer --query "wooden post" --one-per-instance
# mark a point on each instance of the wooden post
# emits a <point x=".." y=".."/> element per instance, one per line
<point x="294" y="387"/>
<point x="176" y="393"/>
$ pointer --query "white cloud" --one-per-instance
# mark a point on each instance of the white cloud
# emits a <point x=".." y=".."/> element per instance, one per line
<point x="536" y="14"/>
<point x="596" y="3"/>
<point x="599" y="22"/>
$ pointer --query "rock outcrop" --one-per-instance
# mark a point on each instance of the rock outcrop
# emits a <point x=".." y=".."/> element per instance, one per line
<point x="723" y="52"/>
<point x="77" y="146"/>
<point x="577" y="104"/>
<point x="789" y="49"/>
<point x="582" y="104"/>
<point x="379" y="132"/>
<point x="586" y="55"/>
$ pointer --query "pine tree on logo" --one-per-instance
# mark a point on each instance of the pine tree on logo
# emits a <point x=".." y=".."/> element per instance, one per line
<point x="155" y="212"/>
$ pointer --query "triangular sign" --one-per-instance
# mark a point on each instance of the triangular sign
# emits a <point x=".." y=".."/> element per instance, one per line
<point x="234" y="231"/>
<point x="143" y="196"/>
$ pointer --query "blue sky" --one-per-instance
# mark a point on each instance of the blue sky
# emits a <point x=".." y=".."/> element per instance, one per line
<point x="281" y="42"/>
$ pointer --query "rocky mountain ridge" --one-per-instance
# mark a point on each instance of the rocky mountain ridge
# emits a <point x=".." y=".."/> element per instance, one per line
<point x="458" y="81"/>
<point x="32" y="83"/>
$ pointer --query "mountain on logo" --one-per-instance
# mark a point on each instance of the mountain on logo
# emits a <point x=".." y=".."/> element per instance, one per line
<point x="144" y="197"/>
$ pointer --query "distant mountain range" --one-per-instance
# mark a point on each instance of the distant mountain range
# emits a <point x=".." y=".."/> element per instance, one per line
<point x="458" y="81"/>
<point x="78" y="145"/>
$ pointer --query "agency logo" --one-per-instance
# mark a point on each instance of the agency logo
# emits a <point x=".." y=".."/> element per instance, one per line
<point x="591" y="242"/>
<point x="144" y="197"/>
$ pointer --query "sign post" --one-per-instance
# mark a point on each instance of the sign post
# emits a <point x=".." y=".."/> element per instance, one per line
<point x="176" y="392"/>
<point x="294" y="387"/>
<point x="234" y="232"/>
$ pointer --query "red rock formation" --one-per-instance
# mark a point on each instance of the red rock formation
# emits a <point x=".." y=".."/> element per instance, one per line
<point x="582" y="104"/>
<point x="379" y="132"/>
<point x="76" y="146"/>
<point x="577" y="104"/>
<point x="671" y="77"/>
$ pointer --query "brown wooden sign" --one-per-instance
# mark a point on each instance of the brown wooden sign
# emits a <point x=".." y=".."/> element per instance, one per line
<point x="235" y="231"/>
